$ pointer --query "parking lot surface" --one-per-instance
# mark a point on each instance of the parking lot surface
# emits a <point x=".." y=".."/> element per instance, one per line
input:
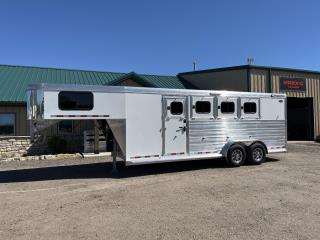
<point x="82" y="199"/>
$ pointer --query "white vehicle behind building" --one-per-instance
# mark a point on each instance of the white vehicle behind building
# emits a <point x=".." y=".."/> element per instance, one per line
<point x="152" y="125"/>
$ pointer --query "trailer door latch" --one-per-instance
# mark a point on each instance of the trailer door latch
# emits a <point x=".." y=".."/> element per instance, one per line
<point x="182" y="128"/>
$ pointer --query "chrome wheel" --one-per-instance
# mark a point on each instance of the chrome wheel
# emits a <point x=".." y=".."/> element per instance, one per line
<point x="257" y="154"/>
<point x="237" y="156"/>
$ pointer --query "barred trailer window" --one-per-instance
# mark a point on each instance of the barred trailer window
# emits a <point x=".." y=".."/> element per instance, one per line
<point x="250" y="108"/>
<point x="227" y="107"/>
<point x="203" y="107"/>
<point x="69" y="100"/>
<point x="176" y="108"/>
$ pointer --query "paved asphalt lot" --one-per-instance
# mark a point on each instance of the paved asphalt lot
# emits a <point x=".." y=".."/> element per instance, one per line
<point x="81" y="199"/>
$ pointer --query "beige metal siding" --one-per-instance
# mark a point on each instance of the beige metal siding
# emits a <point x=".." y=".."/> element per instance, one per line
<point x="259" y="83"/>
<point x="234" y="80"/>
<point x="312" y="90"/>
<point x="259" y="80"/>
<point x="22" y="127"/>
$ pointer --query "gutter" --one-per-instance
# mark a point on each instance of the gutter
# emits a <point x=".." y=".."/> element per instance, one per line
<point x="18" y="104"/>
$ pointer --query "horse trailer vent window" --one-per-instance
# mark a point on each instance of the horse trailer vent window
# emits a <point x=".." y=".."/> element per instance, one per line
<point x="176" y="108"/>
<point x="75" y="100"/>
<point x="203" y="107"/>
<point x="249" y="108"/>
<point x="227" y="107"/>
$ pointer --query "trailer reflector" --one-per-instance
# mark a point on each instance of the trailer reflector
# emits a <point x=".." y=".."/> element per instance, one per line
<point x="203" y="152"/>
<point x="179" y="153"/>
<point x="84" y="116"/>
<point x="146" y="156"/>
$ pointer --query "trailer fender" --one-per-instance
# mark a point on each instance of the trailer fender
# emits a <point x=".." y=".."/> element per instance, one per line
<point x="226" y="147"/>
<point x="262" y="143"/>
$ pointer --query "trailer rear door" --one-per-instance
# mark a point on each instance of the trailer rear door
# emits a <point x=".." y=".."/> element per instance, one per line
<point x="174" y="125"/>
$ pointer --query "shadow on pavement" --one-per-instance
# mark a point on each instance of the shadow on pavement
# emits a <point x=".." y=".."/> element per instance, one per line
<point x="103" y="170"/>
<point x="270" y="159"/>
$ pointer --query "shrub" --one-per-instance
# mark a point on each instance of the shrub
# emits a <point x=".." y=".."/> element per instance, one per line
<point x="57" y="145"/>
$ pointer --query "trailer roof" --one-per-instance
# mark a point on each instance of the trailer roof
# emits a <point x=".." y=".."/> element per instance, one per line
<point x="15" y="79"/>
<point x="145" y="90"/>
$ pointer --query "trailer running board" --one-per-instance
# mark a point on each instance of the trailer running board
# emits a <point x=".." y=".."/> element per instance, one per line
<point x="172" y="159"/>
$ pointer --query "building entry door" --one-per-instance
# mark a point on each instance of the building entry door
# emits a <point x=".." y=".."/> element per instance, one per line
<point x="300" y="118"/>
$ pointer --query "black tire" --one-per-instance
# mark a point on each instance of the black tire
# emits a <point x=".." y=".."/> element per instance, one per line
<point x="236" y="156"/>
<point x="256" y="154"/>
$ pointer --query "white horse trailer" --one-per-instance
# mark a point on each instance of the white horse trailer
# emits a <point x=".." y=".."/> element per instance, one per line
<point x="152" y="125"/>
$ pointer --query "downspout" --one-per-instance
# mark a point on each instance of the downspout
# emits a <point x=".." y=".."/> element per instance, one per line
<point x="269" y="80"/>
<point x="248" y="78"/>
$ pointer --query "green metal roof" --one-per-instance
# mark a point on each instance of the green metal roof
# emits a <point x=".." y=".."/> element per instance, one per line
<point x="14" y="80"/>
<point x="152" y="80"/>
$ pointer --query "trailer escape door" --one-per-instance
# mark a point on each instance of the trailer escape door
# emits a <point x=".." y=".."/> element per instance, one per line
<point x="174" y="125"/>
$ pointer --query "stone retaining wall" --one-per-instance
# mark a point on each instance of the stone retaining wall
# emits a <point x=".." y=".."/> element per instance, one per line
<point x="21" y="147"/>
<point x="17" y="146"/>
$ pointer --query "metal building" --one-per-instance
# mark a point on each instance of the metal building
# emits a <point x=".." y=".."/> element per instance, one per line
<point x="301" y="86"/>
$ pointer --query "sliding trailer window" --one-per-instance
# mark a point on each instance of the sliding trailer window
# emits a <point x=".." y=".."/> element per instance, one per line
<point x="71" y="100"/>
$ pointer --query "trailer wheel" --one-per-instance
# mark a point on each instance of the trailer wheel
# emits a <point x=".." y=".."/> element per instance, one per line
<point x="256" y="154"/>
<point x="236" y="155"/>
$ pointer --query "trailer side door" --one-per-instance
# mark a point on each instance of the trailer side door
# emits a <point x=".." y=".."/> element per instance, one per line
<point x="174" y="125"/>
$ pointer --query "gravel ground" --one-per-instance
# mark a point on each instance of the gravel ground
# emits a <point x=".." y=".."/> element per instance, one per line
<point x="81" y="199"/>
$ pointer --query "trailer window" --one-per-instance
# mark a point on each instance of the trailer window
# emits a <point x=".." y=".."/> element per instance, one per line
<point x="203" y="107"/>
<point x="176" y="108"/>
<point x="227" y="107"/>
<point x="75" y="100"/>
<point x="250" y="108"/>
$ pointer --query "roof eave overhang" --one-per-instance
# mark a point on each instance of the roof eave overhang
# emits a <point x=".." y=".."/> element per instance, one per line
<point x="6" y="103"/>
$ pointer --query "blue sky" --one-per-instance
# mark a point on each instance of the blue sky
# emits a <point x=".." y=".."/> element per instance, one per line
<point x="159" y="37"/>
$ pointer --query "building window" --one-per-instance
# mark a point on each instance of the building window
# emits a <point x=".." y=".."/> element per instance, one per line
<point x="227" y="107"/>
<point x="65" y="127"/>
<point x="75" y="100"/>
<point x="176" y="108"/>
<point x="7" y="124"/>
<point x="203" y="107"/>
<point x="249" y="108"/>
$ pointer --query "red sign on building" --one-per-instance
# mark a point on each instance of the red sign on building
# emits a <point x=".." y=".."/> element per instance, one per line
<point x="292" y="84"/>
